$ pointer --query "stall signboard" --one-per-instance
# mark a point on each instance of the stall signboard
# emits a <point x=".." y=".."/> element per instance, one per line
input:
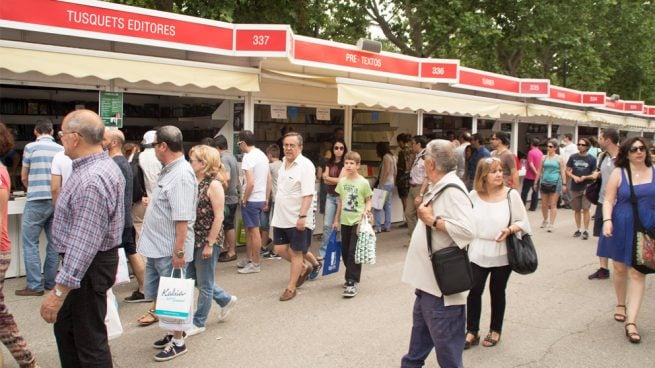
<point x="114" y="22"/>
<point x="320" y="53"/>
<point x="440" y="70"/>
<point x="264" y="40"/>
<point x="649" y="110"/>
<point x="535" y="87"/>
<point x="614" y="105"/>
<point x="593" y="98"/>
<point x="565" y="95"/>
<point x="323" y="113"/>
<point x="111" y="108"/>
<point x="278" y="111"/>
<point x="488" y="82"/>
<point x="633" y="106"/>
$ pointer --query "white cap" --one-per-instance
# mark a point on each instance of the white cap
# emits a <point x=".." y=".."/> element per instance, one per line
<point x="149" y="137"/>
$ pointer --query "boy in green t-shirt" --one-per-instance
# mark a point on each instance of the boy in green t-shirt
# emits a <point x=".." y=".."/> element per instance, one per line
<point x="355" y="193"/>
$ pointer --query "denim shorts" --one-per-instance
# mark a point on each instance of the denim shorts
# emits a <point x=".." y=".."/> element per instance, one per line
<point x="299" y="241"/>
<point x="250" y="213"/>
<point x="265" y="217"/>
<point x="155" y="269"/>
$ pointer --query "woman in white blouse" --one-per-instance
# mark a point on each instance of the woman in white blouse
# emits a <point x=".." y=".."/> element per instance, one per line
<point x="488" y="250"/>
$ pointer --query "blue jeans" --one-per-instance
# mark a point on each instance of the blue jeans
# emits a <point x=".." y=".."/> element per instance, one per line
<point x="331" y="203"/>
<point x="155" y="269"/>
<point x="387" y="210"/>
<point x="203" y="271"/>
<point x="37" y="216"/>
<point x="435" y="326"/>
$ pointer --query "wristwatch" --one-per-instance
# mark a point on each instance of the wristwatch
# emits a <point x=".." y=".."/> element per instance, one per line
<point x="302" y="216"/>
<point x="434" y="224"/>
<point x="179" y="253"/>
<point x="58" y="293"/>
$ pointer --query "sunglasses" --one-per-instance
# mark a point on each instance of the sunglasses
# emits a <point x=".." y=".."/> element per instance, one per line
<point x="582" y="145"/>
<point x="634" y="149"/>
<point x="337" y="148"/>
<point x="549" y="146"/>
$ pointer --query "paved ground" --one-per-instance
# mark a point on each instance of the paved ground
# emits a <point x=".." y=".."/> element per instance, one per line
<point x="554" y="318"/>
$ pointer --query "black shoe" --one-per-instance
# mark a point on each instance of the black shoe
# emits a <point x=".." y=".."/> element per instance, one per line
<point x="170" y="352"/>
<point x="137" y="297"/>
<point x="585" y="235"/>
<point x="600" y="274"/>
<point x="577" y="234"/>
<point x="161" y="343"/>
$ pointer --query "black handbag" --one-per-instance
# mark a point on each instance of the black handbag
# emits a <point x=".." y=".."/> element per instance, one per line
<point x="643" y="249"/>
<point x="548" y="187"/>
<point x="451" y="265"/>
<point x="521" y="253"/>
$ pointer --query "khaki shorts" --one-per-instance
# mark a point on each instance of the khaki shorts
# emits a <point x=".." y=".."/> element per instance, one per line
<point x="579" y="201"/>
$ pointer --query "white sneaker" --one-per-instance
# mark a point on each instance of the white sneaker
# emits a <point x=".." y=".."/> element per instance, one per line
<point x="222" y="314"/>
<point x="195" y="330"/>
<point x="544" y="224"/>
<point x="243" y="262"/>
<point x="250" y="268"/>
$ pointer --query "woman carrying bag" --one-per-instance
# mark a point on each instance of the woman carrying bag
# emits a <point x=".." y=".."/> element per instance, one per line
<point x="619" y="226"/>
<point x="488" y="250"/>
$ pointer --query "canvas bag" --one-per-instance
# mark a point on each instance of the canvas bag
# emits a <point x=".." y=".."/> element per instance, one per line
<point x="175" y="297"/>
<point x="332" y="255"/>
<point x="365" y="247"/>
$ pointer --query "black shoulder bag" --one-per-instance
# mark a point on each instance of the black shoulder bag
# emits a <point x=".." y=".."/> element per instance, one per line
<point x="521" y="253"/>
<point x="643" y="249"/>
<point x="451" y="265"/>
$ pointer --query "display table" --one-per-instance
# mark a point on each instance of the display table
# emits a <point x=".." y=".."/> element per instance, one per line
<point x="14" y="221"/>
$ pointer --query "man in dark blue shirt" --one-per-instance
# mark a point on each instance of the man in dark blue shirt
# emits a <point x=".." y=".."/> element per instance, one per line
<point x="479" y="151"/>
<point x="580" y="168"/>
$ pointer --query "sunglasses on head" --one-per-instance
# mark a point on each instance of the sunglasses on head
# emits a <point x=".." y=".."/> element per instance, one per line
<point x="634" y="149"/>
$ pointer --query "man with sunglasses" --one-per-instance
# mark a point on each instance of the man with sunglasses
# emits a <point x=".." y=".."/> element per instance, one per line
<point x="580" y="169"/>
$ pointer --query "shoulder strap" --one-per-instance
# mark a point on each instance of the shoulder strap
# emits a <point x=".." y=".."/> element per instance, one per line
<point x="509" y="202"/>
<point x="428" y="229"/>
<point x="633" y="199"/>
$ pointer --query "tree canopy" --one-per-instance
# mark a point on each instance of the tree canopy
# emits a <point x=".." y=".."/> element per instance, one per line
<point x="590" y="45"/>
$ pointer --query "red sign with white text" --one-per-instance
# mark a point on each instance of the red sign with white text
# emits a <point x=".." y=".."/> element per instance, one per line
<point x="649" y="110"/>
<point x="497" y="82"/>
<point x="103" y="21"/>
<point x="633" y="106"/>
<point x="354" y="59"/>
<point x="535" y="88"/>
<point x="565" y="95"/>
<point x="261" y="40"/>
<point x="439" y="70"/>
<point x="593" y="98"/>
<point x="613" y="105"/>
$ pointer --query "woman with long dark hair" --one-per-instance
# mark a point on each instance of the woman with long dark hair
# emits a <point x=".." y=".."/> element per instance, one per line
<point x="386" y="175"/>
<point x="331" y="175"/>
<point x="633" y="161"/>
<point x="552" y="181"/>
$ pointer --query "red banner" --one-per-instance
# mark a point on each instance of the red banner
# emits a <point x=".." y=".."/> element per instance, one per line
<point x="336" y="56"/>
<point x="613" y="105"/>
<point x="440" y="70"/>
<point x="535" y="87"/>
<point x="110" y="22"/>
<point x="593" y="98"/>
<point x="488" y="81"/>
<point x="261" y="40"/>
<point x="565" y="95"/>
<point x="649" y="110"/>
<point x="633" y="106"/>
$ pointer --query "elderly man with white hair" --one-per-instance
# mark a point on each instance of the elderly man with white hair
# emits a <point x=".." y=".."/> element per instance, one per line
<point x="445" y="215"/>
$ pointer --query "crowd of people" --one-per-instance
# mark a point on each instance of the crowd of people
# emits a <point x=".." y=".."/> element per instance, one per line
<point x="170" y="209"/>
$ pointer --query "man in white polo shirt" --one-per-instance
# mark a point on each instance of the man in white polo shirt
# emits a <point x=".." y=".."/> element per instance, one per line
<point x="293" y="218"/>
<point x="256" y="175"/>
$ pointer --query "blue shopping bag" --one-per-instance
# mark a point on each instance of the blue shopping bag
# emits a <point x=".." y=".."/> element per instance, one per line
<point x="332" y="255"/>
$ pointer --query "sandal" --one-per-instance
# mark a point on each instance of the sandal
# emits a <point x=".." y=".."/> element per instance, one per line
<point x="633" y="337"/>
<point x="489" y="341"/>
<point x="618" y="316"/>
<point x="148" y="318"/>
<point x="475" y="341"/>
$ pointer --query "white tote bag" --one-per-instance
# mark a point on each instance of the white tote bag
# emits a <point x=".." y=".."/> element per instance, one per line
<point x="122" y="272"/>
<point x="175" y="297"/>
<point x="112" y="319"/>
<point x="379" y="197"/>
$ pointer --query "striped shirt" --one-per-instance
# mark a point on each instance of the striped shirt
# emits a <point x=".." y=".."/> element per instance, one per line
<point x="89" y="215"/>
<point x="37" y="158"/>
<point x="173" y="199"/>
